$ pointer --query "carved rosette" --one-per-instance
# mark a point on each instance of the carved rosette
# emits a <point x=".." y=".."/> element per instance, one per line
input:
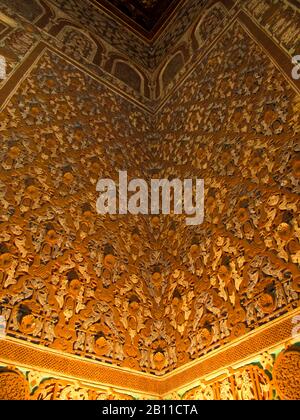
<point x="286" y="375"/>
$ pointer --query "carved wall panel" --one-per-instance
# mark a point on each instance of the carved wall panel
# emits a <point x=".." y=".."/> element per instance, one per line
<point x="209" y="24"/>
<point x="286" y="374"/>
<point x="13" y="385"/>
<point x="271" y="376"/>
<point x="31" y="9"/>
<point x="250" y="383"/>
<point x="91" y="26"/>
<point x="15" y="43"/>
<point x="78" y="41"/>
<point x="194" y="42"/>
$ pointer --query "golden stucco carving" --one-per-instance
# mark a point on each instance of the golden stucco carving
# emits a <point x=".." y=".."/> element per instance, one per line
<point x="286" y="374"/>
<point x="13" y="385"/>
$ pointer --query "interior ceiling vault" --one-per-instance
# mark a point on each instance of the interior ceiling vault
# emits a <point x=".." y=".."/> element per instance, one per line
<point x="147" y="293"/>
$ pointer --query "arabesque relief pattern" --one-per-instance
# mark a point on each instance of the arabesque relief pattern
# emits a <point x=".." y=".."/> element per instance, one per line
<point x="144" y="71"/>
<point x="23" y="384"/>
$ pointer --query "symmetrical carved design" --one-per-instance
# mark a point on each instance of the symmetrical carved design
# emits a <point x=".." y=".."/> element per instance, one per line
<point x="69" y="279"/>
<point x="249" y="383"/>
<point x="222" y="362"/>
<point x="78" y="42"/>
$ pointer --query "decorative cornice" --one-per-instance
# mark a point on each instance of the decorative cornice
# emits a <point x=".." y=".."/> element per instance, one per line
<point x="28" y="355"/>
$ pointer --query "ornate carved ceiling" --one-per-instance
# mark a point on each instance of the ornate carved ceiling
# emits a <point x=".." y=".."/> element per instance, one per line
<point x="147" y="14"/>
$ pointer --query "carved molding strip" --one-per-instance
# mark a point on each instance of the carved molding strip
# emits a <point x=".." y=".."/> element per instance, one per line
<point x="29" y="355"/>
<point x="30" y="61"/>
